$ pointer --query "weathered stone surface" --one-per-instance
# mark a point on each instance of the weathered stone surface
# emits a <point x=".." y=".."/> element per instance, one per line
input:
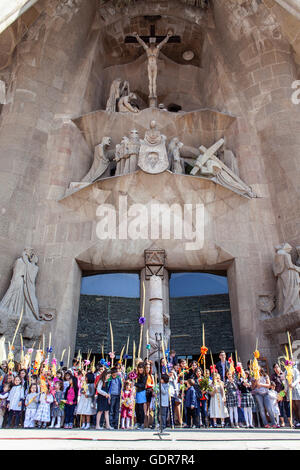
<point x="246" y="57"/>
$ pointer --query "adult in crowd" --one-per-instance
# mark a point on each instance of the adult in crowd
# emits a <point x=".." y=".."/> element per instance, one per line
<point x="261" y="390"/>
<point x="279" y="379"/>
<point x="222" y="366"/>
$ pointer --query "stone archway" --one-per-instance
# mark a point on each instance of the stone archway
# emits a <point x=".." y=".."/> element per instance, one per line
<point x="127" y="254"/>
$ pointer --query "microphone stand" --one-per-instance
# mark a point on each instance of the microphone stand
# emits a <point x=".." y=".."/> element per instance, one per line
<point x="160" y="433"/>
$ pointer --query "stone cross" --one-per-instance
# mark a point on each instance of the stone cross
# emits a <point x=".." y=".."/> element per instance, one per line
<point x="207" y="154"/>
<point x="152" y="38"/>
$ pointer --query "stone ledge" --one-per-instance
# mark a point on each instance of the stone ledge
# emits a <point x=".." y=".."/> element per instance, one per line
<point x="282" y="323"/>
<point x="210" y="123"/>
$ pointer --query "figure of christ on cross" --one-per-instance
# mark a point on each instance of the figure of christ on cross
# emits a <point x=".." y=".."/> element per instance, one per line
<point x="152" y="52"/>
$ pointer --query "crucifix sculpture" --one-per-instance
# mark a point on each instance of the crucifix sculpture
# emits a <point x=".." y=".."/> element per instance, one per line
<point x="152" y="51"/>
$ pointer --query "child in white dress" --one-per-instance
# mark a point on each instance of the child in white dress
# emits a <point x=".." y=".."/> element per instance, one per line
<point x="31" y="404"/>
<point x="43" y="412"/>
<point x="86" y="406"/>
<point x="217" y="407"/>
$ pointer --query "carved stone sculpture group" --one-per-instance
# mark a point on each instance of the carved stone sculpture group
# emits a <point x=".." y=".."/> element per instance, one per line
<point x="153" y="155"/>
<point x="120" y="98"/>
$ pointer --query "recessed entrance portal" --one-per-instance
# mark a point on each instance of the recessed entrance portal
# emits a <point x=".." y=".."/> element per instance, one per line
<point x="197" y="299"/>
<point x="108" y="298"/>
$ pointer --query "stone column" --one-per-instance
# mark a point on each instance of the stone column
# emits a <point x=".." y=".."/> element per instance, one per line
<point x="152" y="102"/>
<point x="155" y="278"/>
<point x="156" y="315"/>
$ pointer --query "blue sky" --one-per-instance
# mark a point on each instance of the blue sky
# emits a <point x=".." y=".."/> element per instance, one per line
<point x="127" y="285"/>
<point x="116" y="284"/>
<point x="189" y="284"/>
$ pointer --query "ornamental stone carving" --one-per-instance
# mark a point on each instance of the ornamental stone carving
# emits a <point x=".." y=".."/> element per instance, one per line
<point x="153" y="157"/>
<point x="210" y="166"/>
<point x="266" y="303"/>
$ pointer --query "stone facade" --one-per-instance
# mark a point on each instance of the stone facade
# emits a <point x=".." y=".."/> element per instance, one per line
<point x="246" y="58"/>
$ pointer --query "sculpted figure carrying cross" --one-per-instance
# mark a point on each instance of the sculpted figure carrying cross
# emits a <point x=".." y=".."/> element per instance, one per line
<point x="152" y="52"/>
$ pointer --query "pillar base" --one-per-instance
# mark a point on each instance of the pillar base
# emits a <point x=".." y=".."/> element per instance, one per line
<point x="153" y="101"/>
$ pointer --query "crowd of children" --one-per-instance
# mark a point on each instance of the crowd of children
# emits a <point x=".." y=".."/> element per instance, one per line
<point x="170" y="394"/>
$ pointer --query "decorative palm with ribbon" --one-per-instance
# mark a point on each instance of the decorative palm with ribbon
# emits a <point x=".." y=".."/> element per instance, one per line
<point x="288" y="364"/>
<point x="203" y="350"/>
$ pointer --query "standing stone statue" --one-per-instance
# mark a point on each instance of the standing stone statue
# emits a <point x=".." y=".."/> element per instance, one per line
<point x="152" y="52"/>
<point x="177" y="164"/>
<point x="121" y="153"/>
<point x="118" y="89"/>
<point x="288" y="280"/>
<point x="127" y="153"/>
<point x="101" y="161"/>
<point x="114" y="95"/>
<point x="133" y="148"/>
<point x="21" y="292"/>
